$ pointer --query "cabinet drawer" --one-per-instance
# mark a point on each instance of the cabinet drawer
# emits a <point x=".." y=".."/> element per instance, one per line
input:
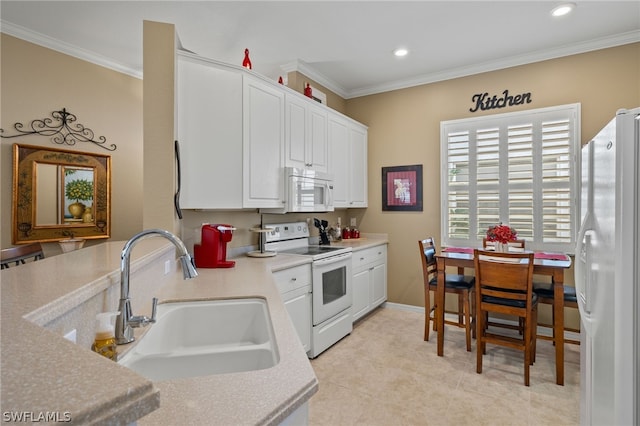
<point x="292" y="278"/>
<point x="377" y="254"/>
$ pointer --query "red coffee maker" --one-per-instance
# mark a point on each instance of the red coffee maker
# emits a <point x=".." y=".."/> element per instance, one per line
<point x="212" y="250"/>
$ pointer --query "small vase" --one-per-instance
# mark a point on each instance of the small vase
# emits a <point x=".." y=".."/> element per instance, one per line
<point x="246" y="62"/>
<point x="502" y="247"/>
<point x="71" y="244"/>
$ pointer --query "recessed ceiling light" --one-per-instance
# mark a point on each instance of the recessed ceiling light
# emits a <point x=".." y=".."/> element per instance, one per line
<point x="400" y="52"/>
<point x="563" y="9"/>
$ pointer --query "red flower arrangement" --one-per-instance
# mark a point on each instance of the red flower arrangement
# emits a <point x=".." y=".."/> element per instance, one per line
<point x="501" y="233"/>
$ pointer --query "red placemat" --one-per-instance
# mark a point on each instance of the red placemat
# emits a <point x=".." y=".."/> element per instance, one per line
<point x="459" y="250"/>
<point x="550" y="256"/>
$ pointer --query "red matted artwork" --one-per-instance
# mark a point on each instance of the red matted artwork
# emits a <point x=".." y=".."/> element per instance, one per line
<point x="402" y="188"/>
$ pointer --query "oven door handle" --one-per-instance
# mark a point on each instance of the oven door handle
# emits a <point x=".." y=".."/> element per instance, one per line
<point x="332" y="259"/>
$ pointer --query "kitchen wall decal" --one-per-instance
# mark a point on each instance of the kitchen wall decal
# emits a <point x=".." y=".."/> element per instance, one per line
<point x="483" y="101"/>
<point x="402" y="188"/>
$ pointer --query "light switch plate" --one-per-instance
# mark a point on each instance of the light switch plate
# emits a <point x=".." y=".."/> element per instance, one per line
<point x="353" y="221"/>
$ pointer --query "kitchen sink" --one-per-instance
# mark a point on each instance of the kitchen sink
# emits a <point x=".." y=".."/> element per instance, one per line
<point x="191" y="339"/>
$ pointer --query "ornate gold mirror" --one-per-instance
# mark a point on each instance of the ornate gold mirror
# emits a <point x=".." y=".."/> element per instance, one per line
<point x="59" y="194"/>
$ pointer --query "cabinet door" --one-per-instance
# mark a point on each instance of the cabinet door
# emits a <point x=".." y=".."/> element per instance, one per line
<point x="339" y="153"/>
<point x="263" y="144"/>
<point x="358" y="179"/>
<point x="209" y="130"/>
<point x="378" y="284"/>
<point x="306" y="135"/>
<point x="296" y="133"/>
<point x="318" y="142"/>
<point x="360" y="286"/>
<point x="299" y="309"/>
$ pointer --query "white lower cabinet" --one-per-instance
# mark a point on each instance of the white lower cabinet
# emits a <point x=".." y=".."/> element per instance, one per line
<point x="369" y="280"/>
<point x="294" y="285"/>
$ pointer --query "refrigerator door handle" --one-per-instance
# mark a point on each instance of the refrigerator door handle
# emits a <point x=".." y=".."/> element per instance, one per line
<point x="583" y="279"/>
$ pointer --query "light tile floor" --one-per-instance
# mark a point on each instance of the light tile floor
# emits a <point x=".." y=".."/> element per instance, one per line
<point x="385" y="374"/>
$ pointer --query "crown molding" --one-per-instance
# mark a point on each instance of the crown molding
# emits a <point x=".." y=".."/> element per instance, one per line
<point x="310" y="72"/>
<point x="513" y="61"/>
<point x="306" y="69"/>
<point x="66" y="48"/>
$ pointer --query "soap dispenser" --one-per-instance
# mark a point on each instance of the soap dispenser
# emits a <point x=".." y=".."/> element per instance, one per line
<point x="105" y="341"/>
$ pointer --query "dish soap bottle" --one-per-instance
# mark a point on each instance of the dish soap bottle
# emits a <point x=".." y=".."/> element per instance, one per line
<point x="105" y="341"/>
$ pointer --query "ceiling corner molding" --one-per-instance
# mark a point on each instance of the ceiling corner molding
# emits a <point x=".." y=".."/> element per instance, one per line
<point x="309" y="71"/>
<point x="513" y="61"/>
<point x="66" y="48"/>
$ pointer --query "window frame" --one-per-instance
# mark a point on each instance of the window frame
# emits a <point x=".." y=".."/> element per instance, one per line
<point x="570" y="112"/>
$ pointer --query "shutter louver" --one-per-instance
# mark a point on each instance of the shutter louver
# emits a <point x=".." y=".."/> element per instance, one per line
<point x="458" y="178"/>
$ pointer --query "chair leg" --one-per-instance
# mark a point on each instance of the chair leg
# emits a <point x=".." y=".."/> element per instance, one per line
<point x="460" y="308"/>
<point x="427" y="312"/>
<point x="534" y="333"/>
<point x="527" y="352"/>
<point x="467" y="320"/>
<point x="474" y="321"/>
<point x="479" y="342"/>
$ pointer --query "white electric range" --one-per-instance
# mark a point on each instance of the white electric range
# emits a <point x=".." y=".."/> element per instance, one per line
<point x="331" y="282"/>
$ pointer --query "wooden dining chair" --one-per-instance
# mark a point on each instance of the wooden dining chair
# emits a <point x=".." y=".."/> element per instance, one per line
<point x="504" y="285"/>
<point x="570" y="300"/>
<point x="459" y="284"/>
<point x="19" y="254"/>
<point x="518" y="246"/>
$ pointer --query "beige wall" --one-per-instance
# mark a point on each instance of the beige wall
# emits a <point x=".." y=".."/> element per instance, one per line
<point x="36" y="81"/>
<point x="404" y="129"/>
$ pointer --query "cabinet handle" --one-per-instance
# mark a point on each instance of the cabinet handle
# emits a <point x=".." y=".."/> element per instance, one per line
<point x="293" y="279"/>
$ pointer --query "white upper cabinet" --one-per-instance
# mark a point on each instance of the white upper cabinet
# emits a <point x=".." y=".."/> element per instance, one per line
<point x="348" y="155"/>
<point x="209" y="131"/>
<point x="263" y="144"/>
<point x="237" y="131"/>
<point x="306" y="134"/>
<point x="358" y="171"/>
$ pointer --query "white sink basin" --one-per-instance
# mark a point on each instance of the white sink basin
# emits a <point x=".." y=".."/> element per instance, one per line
<point x="191" y="339"/>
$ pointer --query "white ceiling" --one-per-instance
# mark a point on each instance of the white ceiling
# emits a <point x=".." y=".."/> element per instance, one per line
<point x="345" y="46"/>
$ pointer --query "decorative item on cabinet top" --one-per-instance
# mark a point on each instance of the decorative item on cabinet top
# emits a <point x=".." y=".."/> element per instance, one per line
<point x="246" y="62"/>
<point x="62" y="129"/>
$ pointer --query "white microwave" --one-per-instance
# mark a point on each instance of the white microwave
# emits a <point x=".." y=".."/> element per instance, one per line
<point x="306" y="191"/>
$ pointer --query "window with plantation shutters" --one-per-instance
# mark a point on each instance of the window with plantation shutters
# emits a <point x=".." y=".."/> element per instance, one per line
<point x="518" y="169"/>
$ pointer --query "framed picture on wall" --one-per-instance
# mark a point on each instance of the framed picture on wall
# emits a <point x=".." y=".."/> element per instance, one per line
<point x="402" y="188"/>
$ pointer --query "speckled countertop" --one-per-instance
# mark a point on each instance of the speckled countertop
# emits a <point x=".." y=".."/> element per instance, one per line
<point x="44" y="373"/>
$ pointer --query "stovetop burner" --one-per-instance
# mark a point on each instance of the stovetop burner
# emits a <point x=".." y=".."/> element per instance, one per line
<point x="293" y="238"/>
<point x="312" y="250"/>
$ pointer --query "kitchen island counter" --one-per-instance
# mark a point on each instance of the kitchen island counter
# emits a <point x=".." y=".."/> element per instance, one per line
<point x="43" y="374"/>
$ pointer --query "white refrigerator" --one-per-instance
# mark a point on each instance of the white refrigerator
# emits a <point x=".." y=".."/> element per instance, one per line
<point x="607" y="274"/>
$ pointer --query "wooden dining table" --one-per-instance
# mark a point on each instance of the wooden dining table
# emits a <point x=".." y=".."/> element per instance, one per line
<point x="550" y="264"/>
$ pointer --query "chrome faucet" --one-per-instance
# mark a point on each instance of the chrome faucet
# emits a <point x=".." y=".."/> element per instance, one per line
<point x="126" y="321"/>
